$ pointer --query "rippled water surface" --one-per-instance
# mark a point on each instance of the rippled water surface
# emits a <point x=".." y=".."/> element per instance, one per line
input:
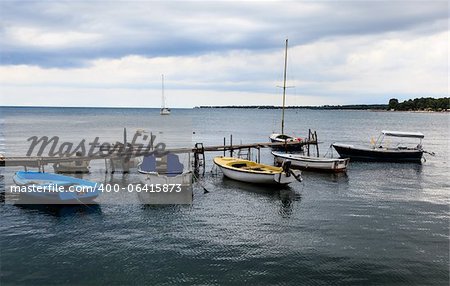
<point x="379" y="224"/>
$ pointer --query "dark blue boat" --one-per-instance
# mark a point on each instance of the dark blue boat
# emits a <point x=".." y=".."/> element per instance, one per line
<point x="45" y="188"/>
<point x="380" y="153"/>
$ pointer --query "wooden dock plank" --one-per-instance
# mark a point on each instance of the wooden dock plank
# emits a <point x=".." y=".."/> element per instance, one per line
<point x="6" y="161"/>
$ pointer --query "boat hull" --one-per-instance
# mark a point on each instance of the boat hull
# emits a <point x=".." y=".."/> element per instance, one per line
<point x="164" y="111"/>
<point x="291" y="147"/>
<point x="154" y="178"/>
<point x="275" y="176"/>
<point x="378" y="155"/>
<point x="281" y="178"/>
<point x="44" y="188"/>
<point x="313" y="163"/>
<point x="72" y="167"/>
<point x="55" y="199"/>
<point x="181" y="184"/>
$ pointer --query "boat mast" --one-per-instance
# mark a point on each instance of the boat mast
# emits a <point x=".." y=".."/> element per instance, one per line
<point x="162" y="88"/>
<point x="284" y="87"/>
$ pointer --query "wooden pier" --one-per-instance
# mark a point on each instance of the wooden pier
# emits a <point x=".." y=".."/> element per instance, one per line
<point x="198" y="151"/>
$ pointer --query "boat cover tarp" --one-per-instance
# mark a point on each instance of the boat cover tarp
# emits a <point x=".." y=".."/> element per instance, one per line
<point x="403" y="134"/>
<point x="149" y="164"/>
<point x="174" y="167"/>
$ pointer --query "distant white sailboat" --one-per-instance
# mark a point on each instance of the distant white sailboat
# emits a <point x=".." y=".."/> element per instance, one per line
<point x="164" y="110"/>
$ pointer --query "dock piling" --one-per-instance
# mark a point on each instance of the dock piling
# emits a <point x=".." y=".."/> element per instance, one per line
<point x="231" y="144"/>
<point x="224" y="144"/>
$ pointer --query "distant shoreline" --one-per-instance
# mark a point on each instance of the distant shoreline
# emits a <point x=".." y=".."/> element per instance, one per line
<point x="367" y="107"/>
<point x="342" y="108"/>
<point x="381" y="107"/>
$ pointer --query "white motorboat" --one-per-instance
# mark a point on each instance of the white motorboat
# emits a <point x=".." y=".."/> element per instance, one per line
<point x="383" y="151"/>
<point x="312" y="163"/>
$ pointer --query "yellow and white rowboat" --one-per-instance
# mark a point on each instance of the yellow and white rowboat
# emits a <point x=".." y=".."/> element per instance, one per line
<point x="252" y="172"/>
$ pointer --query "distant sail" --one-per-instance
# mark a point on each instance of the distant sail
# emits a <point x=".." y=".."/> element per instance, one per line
<point x="164" y="110"/>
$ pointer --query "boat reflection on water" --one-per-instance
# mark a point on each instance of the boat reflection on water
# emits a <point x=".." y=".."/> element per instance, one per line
<point x="384" y="174"/>
<point x="286" y="195"/>
<point x="269" y="190"/>
<point x="288" y="198"/>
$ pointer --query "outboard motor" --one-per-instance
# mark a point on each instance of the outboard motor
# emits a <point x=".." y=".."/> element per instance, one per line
<point x="287" y="167"/>
<point x="287" y="170"/>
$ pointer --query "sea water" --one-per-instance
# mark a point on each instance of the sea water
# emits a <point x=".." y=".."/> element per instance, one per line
<point x="378" y="224"/>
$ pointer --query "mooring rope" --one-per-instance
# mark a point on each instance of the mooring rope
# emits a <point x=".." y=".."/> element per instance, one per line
<point x="205" y="191"/>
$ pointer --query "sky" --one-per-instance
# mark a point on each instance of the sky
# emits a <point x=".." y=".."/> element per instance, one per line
<point x="113" y="53"/>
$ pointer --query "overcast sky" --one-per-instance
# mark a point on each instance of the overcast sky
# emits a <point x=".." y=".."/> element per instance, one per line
<point x="101" y="53"/>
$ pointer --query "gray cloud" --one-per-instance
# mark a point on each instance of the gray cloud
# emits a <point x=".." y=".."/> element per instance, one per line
<point x="118" y="29"/>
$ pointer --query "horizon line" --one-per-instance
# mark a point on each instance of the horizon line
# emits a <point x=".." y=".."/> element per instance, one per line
<point x="197" y="106"/>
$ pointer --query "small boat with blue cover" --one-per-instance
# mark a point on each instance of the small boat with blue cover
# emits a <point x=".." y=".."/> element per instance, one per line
<point x="47" y="188"/>
<point x="164" y="170"/>
<point x="164" y="180"/>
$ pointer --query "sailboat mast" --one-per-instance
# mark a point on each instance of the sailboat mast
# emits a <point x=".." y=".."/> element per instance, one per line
<point x="162" y="88"/>
<point x="284" y="87"/>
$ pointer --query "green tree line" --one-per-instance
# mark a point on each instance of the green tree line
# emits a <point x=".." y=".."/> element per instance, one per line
<point x="423" y="103"/>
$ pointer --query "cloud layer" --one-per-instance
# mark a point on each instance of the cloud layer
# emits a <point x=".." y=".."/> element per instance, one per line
<point x="351" y="52"/>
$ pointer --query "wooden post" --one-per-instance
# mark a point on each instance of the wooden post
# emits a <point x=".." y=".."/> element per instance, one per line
<point x="231" y="145"/>
<point x="195" y="160"/>
<point x="151" y="141"/>
<point x="113" y="168"/>
<point x="317" y="143"/>
<point x="189" y="161"/>
<point x="224" y="144"/>
<point x="309" y="139"/>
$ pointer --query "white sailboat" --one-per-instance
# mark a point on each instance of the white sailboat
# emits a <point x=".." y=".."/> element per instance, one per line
<point x="283" y="138"/>
<point x="300" y="160"/>
<point x="164" y="110"/>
